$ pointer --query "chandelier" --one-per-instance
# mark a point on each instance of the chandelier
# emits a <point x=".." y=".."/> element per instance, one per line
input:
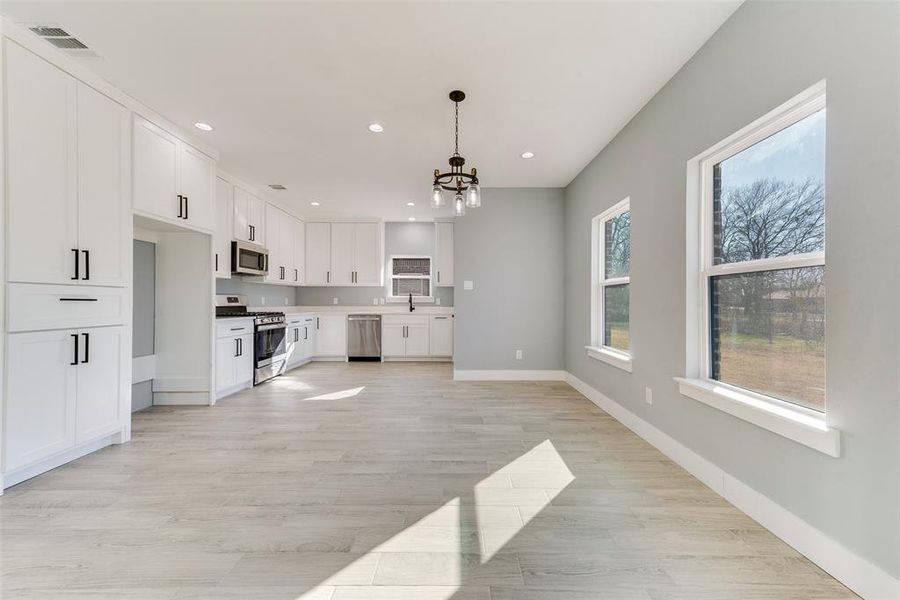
<point x="467" y="192"/>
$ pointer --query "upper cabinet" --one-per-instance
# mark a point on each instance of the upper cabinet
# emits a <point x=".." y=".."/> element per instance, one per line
<point x="249" y="216"/>
<point x="67" y="173"/>
<point x="172" y="181"/>
<point x="344" y="254"/>
<point x="299" y="252"/>
<point x="224" y="210"/>
<point x="443" y="254"/>
<point x="281" y="232"/>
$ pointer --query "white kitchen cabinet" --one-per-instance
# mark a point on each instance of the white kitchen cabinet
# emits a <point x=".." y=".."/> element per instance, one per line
<point x="274" y="232"/>
<point x="354" y="251"/>
<point x="404" y="336"/>
<point x="331" y="336"/>
<point x="64" y="388"/>
<point x="318" y="253"/>
<point x="224" y="222"/>
<point x="67" y="161"/>
<point x="440" y="336"/>
<point x="343" y="253"/>
<point x="249" y="217"/>
<point x="101" y="377"/>
<point x="234" y="356"/>
<point x="286" y="248"/>
<point x="299" y="252"/>
<point x="443" y="254"/>
<point x="368" y="258"/>
<point x="300" y="339"/>
<point x="40" y="396"/>
<point x="172" y="180"/>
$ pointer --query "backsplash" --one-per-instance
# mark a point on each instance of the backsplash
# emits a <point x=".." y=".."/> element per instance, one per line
<point x="259" y="294"/>
<point x="357" y="296"/>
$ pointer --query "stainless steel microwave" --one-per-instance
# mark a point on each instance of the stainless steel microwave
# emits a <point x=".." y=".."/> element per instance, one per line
<point x="248" y="258"/>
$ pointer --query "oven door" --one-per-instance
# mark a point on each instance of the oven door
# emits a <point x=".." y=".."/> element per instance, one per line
<point x="249" y="259"/>
<point x="270" y="344"/>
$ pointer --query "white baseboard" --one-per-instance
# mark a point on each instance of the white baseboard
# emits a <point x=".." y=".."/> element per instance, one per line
<point x="143" y="368"/>
<point x="329" y="359"/>
<point x="858" y="574"/>
<point x="507" y="375"/>
<point x="19" y="475"/>
<point x="182" y="399"/>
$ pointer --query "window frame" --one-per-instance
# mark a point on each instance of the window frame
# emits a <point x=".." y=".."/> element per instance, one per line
<point x="804" y="425"/>
<point x="599" y="282"/>
<point x="389" y="297"/>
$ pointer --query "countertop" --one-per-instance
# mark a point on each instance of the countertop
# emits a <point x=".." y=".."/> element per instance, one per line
<point x="381" y="309"/>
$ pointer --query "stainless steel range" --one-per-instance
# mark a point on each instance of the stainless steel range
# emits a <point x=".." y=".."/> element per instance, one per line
<point x="269" y="347"/>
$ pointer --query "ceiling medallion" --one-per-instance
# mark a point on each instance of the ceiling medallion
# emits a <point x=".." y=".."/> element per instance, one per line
<point x="467" y="192"/>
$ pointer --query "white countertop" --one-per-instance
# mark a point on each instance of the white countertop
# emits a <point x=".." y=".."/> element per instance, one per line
<point x="381" y="309"/>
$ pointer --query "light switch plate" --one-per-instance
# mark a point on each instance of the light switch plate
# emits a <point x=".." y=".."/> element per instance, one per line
<point x="334" y="300"/>
<point x="437" y="301"/>
<point x="468" y="285"/>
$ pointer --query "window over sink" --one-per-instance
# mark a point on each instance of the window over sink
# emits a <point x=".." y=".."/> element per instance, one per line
<point x="410" y="275"/>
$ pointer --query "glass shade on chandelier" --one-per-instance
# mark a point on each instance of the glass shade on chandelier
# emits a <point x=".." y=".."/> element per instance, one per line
<point x="459" y="205"/>
<point x="437" y="197"/>
<point x="473" y="196"/>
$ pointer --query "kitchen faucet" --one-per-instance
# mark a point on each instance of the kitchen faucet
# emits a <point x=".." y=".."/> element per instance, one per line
<point x="411" y="307"/>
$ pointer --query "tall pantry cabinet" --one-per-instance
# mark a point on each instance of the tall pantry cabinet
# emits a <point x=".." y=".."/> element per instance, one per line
<point x="68" y="231"/>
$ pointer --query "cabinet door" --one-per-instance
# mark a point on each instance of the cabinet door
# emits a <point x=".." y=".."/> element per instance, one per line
<point x="292" y="341"/>
<point x="41" y="170"/>
<point x="226" y="357"/>
<point x="417" y="339"/>
<point x="273" y="244"/>
<point x="441" y="336"/>
<point x="257" y="218"/>
<point x="155" y="160"/>
<point x="318" y="253"/>
<point x="222" y="237"/>
<point x="101" y="368"/>
<point x="40" y="396"/>
<point x="299" y="252"/>
<point x="104" y="201"/>
<point x="393" y="342"/>
<point x="331" y="335"/>
<point x="198" y="176"/>
<point x="241" y="226"/>
<point x="243" y="363"/>
<point x="368" y="258"/>
<point x="443" y="254"/>
<point x="286" y="246"/>
<point x="342" y="253"/>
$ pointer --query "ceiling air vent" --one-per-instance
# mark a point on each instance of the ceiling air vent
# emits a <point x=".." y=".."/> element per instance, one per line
<point x="62" y="39"/>
<point x="277" y="186"/>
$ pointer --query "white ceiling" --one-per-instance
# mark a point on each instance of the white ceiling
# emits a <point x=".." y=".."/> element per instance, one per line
<point x="291" y="87"/>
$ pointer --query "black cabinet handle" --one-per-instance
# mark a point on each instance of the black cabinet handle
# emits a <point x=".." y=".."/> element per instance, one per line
<point x="217" y="262"/>
<point x="305" y="333"/>
<point x="237" y="347"/>
<point x="252" y="233"/>
<point x="317" y="322"/>
<point x="180" y="206"/>
<point x="87" y="265"/>
<point x="296" y="275"/>
<point x="296" y="334"/>
<point x="187" y="206"/>
<point x="327" y="276"/>
<point x="78" y="299"/>
<point x="77" y="269"/>
<point x="87" y="348"/>
<point x="75" y="355"/>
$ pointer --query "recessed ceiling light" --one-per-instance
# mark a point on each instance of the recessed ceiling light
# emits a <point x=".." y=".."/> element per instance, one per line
<point x="313" y="203"/>
<point x="527" y="155"/>
<point x="203" y="126"/>
<point x="410" y="203"/>
<point x="277" y="186"/>
<point x="376" y="128"/>
<point x="411" y="219"/>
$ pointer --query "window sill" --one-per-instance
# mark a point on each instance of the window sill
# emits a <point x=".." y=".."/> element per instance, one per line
<point x="804" y="426"/>
<point x="405" y="300"/>
<point x="610" y="357"/>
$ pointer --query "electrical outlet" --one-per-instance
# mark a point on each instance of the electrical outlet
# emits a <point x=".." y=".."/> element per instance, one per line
<point x="381" y="301"/>
<point x="263" y="300"/>
<point x="375" y="301"/>
<point x="334" y="300"/>
<point x="468" y="285"/>
<point x="285" y="301"/>
<point x="648" y="396"/>
<point x="437" y="301"/>
<point x="518" y="355"/>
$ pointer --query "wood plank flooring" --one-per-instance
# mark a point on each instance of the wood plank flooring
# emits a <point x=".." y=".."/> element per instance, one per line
<point x="388" y="482"/>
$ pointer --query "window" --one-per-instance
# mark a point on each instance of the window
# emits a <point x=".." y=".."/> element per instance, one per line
<point x="410" y="275"/>
<point x="760" y="232"/>
<point x="611" y="265"/>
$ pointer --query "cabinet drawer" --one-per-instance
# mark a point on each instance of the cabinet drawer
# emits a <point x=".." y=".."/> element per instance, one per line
<point x="232" y="327"/>
<point x="35" y="307"/>
<point x="405" y="319"/>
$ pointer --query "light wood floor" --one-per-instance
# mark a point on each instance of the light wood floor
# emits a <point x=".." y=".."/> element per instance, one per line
<point x="388" y="482"/>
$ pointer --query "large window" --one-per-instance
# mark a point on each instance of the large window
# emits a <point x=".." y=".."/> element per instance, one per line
<point x="410" y="275"/>
<point x="611" y="263"/>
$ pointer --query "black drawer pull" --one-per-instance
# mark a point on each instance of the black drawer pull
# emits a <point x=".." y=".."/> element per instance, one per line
<point x="87" y="348"/>
<point x="78" y="299"/>
<point x="75" y="359"/>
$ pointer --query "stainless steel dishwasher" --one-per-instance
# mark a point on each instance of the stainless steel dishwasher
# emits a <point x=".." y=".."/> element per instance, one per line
<point x="364" y="337"/>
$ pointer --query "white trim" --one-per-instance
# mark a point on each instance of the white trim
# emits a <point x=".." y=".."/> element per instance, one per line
<point x="11" y="478"/>
<point x="183" y="399"/>
<point x="610" y="356"/>
<point x="854" y="571"/>
<point x="774" y="263"/>
<point x="507" y="375"/>
<point x="143" y="368"/>
<point x="802" y="425"/>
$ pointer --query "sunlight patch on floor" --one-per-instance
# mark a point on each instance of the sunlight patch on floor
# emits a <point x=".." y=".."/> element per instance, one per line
<point x="348" y="393"/>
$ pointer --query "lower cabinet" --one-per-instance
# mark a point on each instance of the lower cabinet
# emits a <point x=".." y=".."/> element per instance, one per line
<point x="440" y="336"/>
<point x="65" y="388"/>
<point x="331" y="336"/>
<point x="404" y="336"/>
<point x="234" y="355"/>
<point x="300" y="339"/>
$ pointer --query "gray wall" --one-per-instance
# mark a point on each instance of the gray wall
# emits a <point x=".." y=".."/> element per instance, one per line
<point x="399" y="238"/>
<point x="141" y="395"/>
<point x="765" y="54"/>
<point x="512" y="249"/>
<point x="258" y="294"/>
<point x="144" y="306"/>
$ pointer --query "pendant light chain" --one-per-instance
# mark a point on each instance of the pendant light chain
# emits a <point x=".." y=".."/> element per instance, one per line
<point x="456" y="151"/>
<point x="456" y="180"/>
